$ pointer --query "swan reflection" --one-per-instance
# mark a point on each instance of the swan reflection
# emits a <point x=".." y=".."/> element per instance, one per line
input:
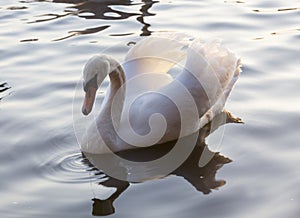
<point x="202" y="178"/>
<point x="103" y="10"/>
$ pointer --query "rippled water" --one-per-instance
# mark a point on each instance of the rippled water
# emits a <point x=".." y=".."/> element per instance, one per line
<point x="44" y="45"/>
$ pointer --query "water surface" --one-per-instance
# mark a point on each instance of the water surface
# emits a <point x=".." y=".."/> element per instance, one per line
<point x="44" y="45"/>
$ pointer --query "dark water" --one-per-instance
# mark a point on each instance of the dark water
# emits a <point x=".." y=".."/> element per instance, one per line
<point x="44" y="45"/>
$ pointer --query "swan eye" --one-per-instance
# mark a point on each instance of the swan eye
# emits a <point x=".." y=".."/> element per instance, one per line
<point x="91" y="83"/>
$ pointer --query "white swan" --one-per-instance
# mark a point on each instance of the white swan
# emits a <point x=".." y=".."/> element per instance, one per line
<point x="144" y="105"/>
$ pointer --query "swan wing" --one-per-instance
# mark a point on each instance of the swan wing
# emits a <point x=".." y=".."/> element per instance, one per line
<point x="147" y="63"/>
<point x="196" y="95"/>
<point x="219" y="105"/>
<point x="156" y="54"/>
<point x="210" y="73"/>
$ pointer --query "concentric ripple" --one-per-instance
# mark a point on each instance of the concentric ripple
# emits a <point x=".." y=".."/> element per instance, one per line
<point x="70" y="167"/>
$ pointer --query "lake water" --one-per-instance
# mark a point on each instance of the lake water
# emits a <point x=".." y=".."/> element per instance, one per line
<point x="44" y="45"/>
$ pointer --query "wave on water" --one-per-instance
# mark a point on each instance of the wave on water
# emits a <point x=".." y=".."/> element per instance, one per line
<point x="4" y="90"/>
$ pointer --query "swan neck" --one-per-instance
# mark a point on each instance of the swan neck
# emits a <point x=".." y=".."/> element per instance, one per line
<point x="110" y="115"/>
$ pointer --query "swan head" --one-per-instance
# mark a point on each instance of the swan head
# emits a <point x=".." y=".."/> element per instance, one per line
<point x="94" y="72"/>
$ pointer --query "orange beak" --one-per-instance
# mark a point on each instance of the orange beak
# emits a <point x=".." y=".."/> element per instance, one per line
<point x="89" y="100"/>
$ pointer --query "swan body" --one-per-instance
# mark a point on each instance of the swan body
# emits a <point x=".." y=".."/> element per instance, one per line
<point x="144" y="105"/>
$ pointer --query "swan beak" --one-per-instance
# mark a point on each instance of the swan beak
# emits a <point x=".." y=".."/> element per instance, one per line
<point x="89" y="100"/>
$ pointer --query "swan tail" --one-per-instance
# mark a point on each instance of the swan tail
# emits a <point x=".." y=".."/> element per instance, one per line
<point x="157" y="53"/>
